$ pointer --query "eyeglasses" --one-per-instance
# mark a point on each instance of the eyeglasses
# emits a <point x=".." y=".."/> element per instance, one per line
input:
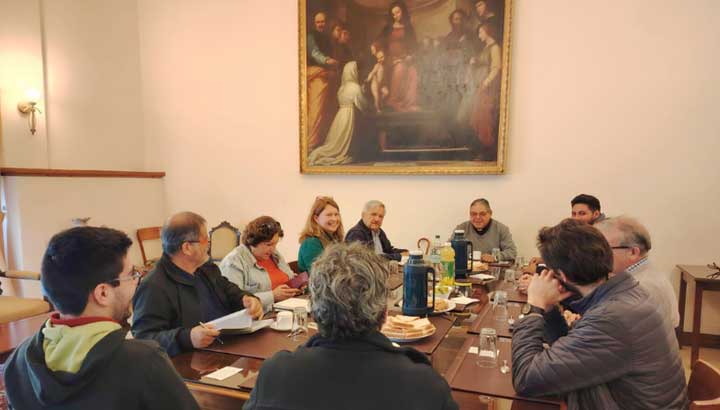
<point x="621" y="247"/>
<point x="134" y="274"/>
<point x="204" y="241"/>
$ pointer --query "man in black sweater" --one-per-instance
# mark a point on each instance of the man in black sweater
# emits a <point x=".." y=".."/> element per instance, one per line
<point x="80" y="358"/>
<point x="184" y="289"/>
<point x="368" y="231"/>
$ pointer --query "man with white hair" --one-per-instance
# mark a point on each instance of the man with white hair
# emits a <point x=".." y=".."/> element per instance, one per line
<point x="368" y="231"/>
<point x="630" y="243"/>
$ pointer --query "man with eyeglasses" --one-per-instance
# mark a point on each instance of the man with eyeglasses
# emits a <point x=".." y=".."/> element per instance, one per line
<point x="186" y="289"/>
<point x="630" y="243"/>
<point x="81" y="358"/>
<point x="486" y="233"/>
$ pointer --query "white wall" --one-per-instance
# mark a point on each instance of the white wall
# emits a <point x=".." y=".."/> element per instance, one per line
<point x="45" y="206"/>
<point x="94" y="109"/>
<point x="83" y="56"/>
<point x="21" y="69"/>
<point x="617" y="100"/>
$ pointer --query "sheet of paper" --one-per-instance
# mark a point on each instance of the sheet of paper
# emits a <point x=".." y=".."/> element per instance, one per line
<point x="292" y="303"/>
<point x="473" y="349"/>
<point x="237" y="320"/>
<point x="224" y="373"/>
<point x="259" y="324"/>
<point x="463" y="300"/>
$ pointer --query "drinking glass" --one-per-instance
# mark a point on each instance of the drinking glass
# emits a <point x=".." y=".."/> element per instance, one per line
<point x="510" y="277"/>
<point x="496" y="254"/>
<point x="500" y="310"/>
<point x="300" y="323"/>
<point x="464" y="289"/>
<point x="487" y="348"/>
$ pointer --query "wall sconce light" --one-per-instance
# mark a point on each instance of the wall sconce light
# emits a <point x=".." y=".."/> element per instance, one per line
<point x="30" y="107"/>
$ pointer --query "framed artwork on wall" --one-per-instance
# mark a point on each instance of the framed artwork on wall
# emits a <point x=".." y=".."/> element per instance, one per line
<point x="404" y="87"/>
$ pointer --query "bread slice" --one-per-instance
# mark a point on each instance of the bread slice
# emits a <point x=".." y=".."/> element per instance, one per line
<point x="407" y="327"/>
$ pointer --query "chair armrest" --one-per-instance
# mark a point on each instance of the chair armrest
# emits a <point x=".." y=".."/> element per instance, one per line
<point x="21" y="274"/>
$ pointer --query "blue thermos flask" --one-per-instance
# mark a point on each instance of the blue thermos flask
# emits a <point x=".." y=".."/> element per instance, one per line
<point x="415" y="286"/>
<point x="463" y="252"/>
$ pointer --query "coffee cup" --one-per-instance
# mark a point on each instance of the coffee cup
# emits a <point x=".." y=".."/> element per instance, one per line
<point x="284" y="320"/>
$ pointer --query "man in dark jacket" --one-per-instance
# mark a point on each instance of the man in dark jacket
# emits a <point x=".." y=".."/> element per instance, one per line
<point x="620" y="354"/>
<point x="80" y="358"/>
<point x="349" y="364"/>
<point x="186" y="289"/>
<point x="369" y="231"/>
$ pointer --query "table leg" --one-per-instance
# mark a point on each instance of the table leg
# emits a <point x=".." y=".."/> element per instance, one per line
<point x="681" y="305"/>
<point x="695" y="352"/>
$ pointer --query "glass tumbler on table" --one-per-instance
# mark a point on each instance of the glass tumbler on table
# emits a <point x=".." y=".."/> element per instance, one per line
<point x="300" y="323"/>
<point x="500" y="309"/>
<point x="487" y="348"/>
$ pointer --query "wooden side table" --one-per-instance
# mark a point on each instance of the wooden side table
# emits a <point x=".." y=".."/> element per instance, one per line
<point x="699" y="275"/>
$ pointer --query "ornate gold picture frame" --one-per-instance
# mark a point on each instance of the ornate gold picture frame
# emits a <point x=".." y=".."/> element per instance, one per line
<point x="404" y="87"/>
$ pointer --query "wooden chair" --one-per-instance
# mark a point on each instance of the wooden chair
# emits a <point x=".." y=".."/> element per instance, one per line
<point x="704" y="387"/>
<point x="223" y="239"/>
<point x="14" y="308"/>
<point x="150" y="244"/>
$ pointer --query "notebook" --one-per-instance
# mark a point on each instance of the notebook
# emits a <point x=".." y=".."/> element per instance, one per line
<point x="238" y="323"/>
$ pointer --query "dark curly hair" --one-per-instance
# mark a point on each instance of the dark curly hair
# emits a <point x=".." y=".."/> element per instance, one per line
<point x="261" y="230"/>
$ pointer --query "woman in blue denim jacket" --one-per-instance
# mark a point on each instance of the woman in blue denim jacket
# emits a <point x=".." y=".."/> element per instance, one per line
<point x="256" y="266"/>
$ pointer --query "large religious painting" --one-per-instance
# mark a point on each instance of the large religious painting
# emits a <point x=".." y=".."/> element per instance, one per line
<point x="404" y="87"/>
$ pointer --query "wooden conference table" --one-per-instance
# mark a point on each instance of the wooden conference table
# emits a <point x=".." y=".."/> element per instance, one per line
<point x="472" y="387"/>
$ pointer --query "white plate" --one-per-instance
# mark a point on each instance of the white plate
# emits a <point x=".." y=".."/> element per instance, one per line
<point x="482" y="276"/>
<point x="451" y="306"/>
<point x="274" y="326"/>
<point x="412" y="339"/>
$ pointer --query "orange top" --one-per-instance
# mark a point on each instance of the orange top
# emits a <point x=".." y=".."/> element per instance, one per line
<point x="277" y="276"/>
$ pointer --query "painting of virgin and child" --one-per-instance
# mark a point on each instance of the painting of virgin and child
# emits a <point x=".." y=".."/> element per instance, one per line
<point x="415" y="86"/>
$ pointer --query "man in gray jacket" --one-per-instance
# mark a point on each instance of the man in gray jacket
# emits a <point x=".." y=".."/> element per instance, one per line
<point x="486" y="233"/>
<point x="621" y="353"/>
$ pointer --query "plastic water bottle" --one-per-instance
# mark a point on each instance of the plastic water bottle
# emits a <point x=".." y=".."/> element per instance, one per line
<point x="447" y="267"/>
<point x="435" y="252"/>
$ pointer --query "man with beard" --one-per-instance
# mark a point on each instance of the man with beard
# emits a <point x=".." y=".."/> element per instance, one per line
<point x="321" y="82"/>
<point x="80" y="357"/>
<point x="457" y="49"/>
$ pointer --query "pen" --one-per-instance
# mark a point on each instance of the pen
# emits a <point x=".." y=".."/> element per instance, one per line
<point x="217" y="338"/>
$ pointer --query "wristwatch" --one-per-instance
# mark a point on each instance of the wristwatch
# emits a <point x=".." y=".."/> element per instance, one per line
<point x="528" y="309"/>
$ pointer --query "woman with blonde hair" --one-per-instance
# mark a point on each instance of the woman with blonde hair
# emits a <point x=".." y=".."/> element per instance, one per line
<point x="323" y="227"/>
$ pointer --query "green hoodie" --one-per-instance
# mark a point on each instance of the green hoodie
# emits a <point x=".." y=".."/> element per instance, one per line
<point x="93" y="366"/>
<point x="66" y="347"/>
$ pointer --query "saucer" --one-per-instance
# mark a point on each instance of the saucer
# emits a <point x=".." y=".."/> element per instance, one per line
<point x="274" y="326"/>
